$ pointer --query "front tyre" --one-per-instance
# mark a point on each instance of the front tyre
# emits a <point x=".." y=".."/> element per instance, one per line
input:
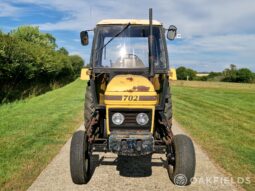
<point x="79" y="158"/>
<point x="183" y="166"/>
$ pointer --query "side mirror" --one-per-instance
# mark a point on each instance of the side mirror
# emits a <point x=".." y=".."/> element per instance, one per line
<point x="171" y="32"/>
<point x="84" y="38"/>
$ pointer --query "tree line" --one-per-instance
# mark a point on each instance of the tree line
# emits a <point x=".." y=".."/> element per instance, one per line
<point x="31" y="63"/>
<point x="231" y="74"/>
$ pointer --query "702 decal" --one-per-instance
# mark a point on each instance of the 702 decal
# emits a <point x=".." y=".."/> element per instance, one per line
<point x="130" y="98"/>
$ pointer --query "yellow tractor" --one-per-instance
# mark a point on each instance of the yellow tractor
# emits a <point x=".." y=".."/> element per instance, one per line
<point x="128" y="107"/>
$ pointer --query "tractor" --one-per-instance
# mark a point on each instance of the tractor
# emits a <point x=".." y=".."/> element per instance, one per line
<point x="128" y="106"/>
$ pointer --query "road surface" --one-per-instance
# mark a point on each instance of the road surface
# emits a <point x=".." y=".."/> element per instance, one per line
<point x="111" y="173"/>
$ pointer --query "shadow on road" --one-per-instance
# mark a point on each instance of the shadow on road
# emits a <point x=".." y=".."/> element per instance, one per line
<point x="134" y="166"/>
<point x="139" y="166"/>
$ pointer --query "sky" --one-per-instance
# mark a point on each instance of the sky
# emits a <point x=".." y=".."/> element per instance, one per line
<point x="214" y="34"/>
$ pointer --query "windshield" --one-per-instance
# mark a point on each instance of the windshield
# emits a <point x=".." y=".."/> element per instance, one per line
<point x="130" y="49"/>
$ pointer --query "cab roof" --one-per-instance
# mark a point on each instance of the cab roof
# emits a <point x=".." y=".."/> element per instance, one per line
<point x="126" y="21"/>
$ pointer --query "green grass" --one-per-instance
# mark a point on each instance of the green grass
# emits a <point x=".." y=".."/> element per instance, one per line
<point x="32" y="132"/>
<point x="221" y="118"/>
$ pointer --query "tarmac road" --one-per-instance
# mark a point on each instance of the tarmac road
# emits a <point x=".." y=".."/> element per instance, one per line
<point x="112" y="173"/>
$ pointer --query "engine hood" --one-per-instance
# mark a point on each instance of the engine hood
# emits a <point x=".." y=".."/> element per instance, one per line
<point x="130" y="83"/>
<point x="130" y="90"/>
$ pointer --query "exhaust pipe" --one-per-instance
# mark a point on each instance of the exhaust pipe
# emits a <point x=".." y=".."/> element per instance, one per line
<point x="151" y="56"/>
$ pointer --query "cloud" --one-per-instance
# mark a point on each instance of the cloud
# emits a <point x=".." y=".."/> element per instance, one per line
<point x="76" y="53"/>
<point x="7" y="10"/>
<point x="234" y="43"/>
<point x="197" y="17"/>
<point x="212" y="53"/>
<point x="214" y="33"/>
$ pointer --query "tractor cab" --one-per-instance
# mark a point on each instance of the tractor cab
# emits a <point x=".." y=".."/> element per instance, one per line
<point x="125" y="46"/>
<point x="129" y="45"/>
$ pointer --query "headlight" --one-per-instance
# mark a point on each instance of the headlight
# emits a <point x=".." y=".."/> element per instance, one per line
<point x="117" y="118"/>
<point x="142" y="118"/>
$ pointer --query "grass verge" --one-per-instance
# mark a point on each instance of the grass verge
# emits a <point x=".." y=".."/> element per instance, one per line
<point x="221" y="118"/>
<point x="32" y="132"/>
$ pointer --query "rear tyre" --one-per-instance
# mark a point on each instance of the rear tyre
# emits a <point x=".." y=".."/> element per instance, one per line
<point x="168" y="106"/>
<point x="182" y="169"/>
<point x="89" y="105"/>
<point x="79" y="158"/>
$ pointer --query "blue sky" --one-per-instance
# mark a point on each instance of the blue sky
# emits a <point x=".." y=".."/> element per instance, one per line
<point x="214" y="34"/>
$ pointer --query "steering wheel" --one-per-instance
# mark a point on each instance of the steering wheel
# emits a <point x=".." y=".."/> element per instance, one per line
<point x="129" y="61"/>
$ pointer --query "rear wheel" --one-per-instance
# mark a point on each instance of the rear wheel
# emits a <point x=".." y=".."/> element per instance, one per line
<point x="89" y="105"/>
<point x="80" y="158"/>
<point x="168" y="106"/>
<point x="182" y="169"/>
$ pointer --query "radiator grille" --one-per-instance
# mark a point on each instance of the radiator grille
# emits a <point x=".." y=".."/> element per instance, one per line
<point x="130" y="119"/>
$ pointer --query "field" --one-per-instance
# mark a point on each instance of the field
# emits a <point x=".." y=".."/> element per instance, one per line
<point x="32" y="132"/>
<point x="221" y="118"/>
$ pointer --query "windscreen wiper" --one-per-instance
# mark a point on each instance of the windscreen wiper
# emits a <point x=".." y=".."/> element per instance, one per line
<point x="116" y="35"/>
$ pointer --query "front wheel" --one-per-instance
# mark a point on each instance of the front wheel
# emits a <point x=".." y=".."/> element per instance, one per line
<point x="79" y="158"/>
<point x="181" y="167"/>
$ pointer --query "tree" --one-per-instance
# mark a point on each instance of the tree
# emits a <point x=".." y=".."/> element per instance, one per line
<point x="30" y="63"/>
<point x="191" y="73"/>
<point x="33" y="35"/>
<point x="185" y="73"/>
<point x="181" y="73"/>
<point x="62" y="50"/>
<point x="77" y="63"/>
<point x="230" y="74"/>
<point x="233" y="67"/>
<point x="244" y="75"/>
